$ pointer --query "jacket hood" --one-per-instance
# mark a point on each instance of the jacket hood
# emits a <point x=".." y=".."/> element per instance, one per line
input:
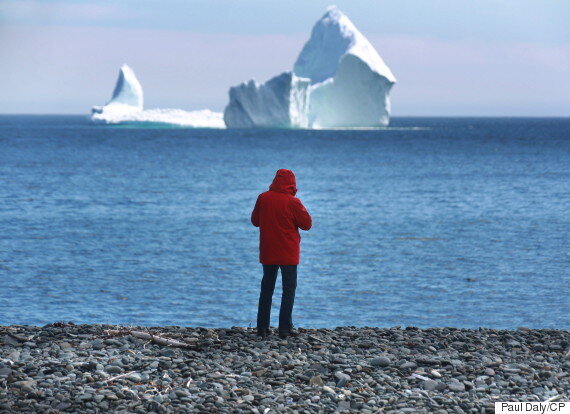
<point x="284" y="182"/>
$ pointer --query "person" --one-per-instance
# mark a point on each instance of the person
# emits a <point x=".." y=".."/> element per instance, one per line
<point x="279" y="216"/>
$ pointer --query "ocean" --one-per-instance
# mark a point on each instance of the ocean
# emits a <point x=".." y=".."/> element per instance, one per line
<point x="432" y="222"/>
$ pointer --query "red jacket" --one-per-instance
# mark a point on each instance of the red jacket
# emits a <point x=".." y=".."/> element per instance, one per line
<point x="279" y="216"/>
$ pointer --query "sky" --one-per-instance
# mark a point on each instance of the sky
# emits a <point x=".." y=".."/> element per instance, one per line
<point x="451" y="57"/>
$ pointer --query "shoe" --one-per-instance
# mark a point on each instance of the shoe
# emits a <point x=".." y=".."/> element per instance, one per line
<point x="292" y="332"/>
<point x="263" y="333"/>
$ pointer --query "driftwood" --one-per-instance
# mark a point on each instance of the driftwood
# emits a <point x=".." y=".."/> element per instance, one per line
<point x="120" y="376"/>
<point x="150" y="337"/>
<point x="317" y="339"/>
<point x="556" y="397"/>
<point x="16" y="336"/>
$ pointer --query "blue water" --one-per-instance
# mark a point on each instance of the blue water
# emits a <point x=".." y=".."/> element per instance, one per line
<point x="432" y="222"/>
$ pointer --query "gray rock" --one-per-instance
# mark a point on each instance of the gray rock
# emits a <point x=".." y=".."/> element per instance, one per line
<point x="408" y="365"/>
<point x="456" y="386"/>
<point x="380" y="361"/>
<point x="98" y="344"/>
<point x="85" y="397"/>
<point x="468" y="385"/>
<point x="342" y="378"/>
<point x="316" y="381"/>
<point x="63" y="406"/>
<point x="8" y="340"/>
<point x="135" y="377"/>
<point x="14" y="356"/>
<point x="430" y="385"/>
<point x="181" y="393"/>
<point x="113" y="369"/>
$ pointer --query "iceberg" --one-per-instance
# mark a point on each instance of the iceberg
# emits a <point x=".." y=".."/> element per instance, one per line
<point x="281" y="102"/>
<point x="126" y="106"/>
<point x="338" y="81"/>
<point x="127" y="95"/>
<point x="196" y="119"/>
<point x="350" y="83"/>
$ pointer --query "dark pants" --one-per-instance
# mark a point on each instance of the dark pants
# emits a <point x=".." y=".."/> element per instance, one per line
<point x="289" y="276"/>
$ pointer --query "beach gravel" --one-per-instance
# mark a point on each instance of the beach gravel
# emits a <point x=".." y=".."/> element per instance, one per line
<point x="63" y="367"/>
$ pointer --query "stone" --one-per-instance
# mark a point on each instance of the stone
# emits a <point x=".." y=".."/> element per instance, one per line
<point x="474" y="368"/>
<point x="468" y="385"/>
<point x="316" y="381"/>
<point x="181" y="393"/>
<point x="113" y="369"/>
<point x="8" y="340"/>
<point x="456" y="386"/>
<point x="135" y="377"/>
<point x="14" y="356"/>
<point x="328" y="390"/>
<point x="408" y="365"/>
<point x="430" y="385"/>
<point x="98" y="344"/>
<point x="342" y="378"/>
<point x="435" y="373"/>
<point x="380" y="361"/>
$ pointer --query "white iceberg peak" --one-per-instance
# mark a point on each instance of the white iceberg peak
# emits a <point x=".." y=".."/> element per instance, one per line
<point x="128" y="89"/>
<point x="126" y="106"/>
<point x="350" y="81"/>
<point x="338" y="81"/>
<point x="332" y="37"/>
<point x="127" y="95"/>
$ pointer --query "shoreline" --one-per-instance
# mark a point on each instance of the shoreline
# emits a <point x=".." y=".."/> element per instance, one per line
<point x="63" y="367"/>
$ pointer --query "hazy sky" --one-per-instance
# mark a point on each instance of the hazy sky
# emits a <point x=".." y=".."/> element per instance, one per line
<point x="451" y="57"/>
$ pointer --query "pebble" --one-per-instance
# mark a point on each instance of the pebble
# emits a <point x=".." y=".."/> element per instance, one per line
<point x="316" y="381"/>
<point x="342" y="378"/>
<point x="74" y="368"/>
<point x="456" y="386"/>
<point x="380" y="361"/>
<point x="435" y="373"/>
<point x="408" y="365"/>
<point x="430" y="385"/>
<point x="135" y="377"/>
<point x="113" y="369"/>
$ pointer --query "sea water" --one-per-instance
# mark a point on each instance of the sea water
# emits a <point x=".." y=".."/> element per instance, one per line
<point x="460" y="222"/>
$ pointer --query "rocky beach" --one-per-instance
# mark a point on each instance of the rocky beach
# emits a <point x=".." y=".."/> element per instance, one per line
<point x="63" y="367"/>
